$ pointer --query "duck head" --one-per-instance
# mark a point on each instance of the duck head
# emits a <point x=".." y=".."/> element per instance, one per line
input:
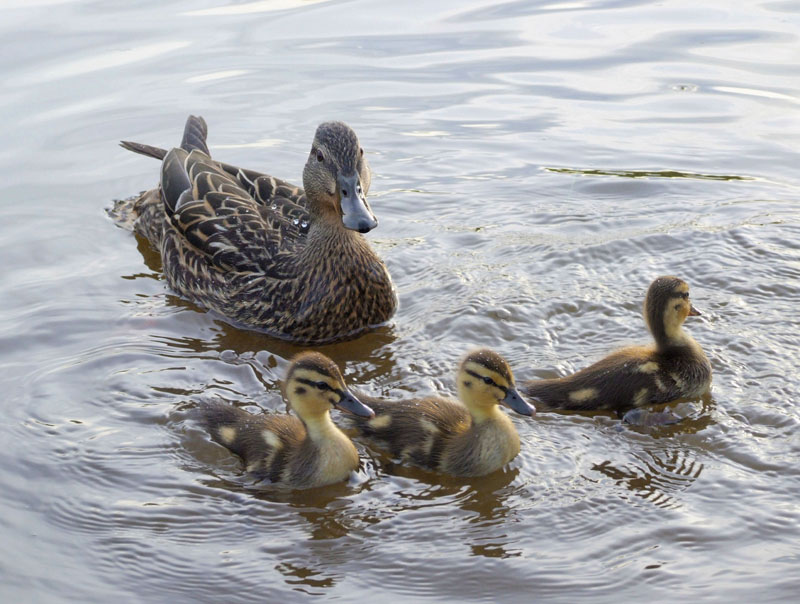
<point x="666" y="307"/>
<point x="314" y="385"/>
<point x="484" y="381"/>
<point x="336" y="177"/>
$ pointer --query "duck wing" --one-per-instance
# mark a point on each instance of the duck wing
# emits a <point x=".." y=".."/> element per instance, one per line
<point x="221" y="219"/>
<point x="264" y="189"/>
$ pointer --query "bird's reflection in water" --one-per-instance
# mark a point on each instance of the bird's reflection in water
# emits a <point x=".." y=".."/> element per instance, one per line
<point x="691" y="416"/>
<point x="221" y="352"/>
<point x="151" y="256"/>
<point x="656" y="476"/>
<point x="299" y="575"/>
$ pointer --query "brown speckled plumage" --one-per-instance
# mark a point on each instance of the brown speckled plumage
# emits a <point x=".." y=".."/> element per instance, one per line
<point x="260" y="251"/>
<point x="674" y="367"/>
<point x="466" y="437"/>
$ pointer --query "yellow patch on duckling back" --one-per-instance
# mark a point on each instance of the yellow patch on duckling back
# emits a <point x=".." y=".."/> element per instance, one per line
<point x="428" y="426"/>
<point x="379" y="422"/>
<point x="677" y="379"/>
<point x="649" y="367"/>
<point x="272" y="439"/>
<point x="582" y="395"/>
<point x="641" y="397"/>
<point x="227" y="434"/>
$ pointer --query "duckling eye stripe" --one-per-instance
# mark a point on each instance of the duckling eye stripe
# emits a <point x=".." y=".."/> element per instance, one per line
<point x="478" y="376"/>
<point x="312" y="383"/>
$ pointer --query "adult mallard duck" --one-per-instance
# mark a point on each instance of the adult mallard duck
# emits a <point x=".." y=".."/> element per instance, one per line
<point x="306" y="452"/>
<point x="261" y="252"/>
<point x="465" y="437"/>
<point x="674" y="367"/>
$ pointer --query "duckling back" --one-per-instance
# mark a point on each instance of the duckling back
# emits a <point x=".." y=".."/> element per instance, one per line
<point x="439" y="434"/>
<point x="415" y="430"/>
<point x="277" y="448"/>
<point x="629" y="378"/>
<point x="266" y="443"/>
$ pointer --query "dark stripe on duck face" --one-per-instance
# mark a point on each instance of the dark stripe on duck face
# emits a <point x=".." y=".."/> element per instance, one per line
<point x="321" y="385"/>
<point x="486" y="380"/>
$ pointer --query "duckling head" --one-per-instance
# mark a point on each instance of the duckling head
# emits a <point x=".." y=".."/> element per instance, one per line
<point x="336" y="178"/>
<point x="666" y="307"/>
<point x="484" y="381"/>
<point x="314" y="385"/>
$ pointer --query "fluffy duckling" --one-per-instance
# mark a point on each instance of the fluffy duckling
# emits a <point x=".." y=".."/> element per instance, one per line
<point x="262" y="252"/>
<point x="470" y="437"/>
<point x="674" y="367"/>
<point x="307" y="452"/>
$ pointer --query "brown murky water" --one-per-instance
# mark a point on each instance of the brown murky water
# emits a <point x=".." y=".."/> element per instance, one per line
<point x="536" y="165"/>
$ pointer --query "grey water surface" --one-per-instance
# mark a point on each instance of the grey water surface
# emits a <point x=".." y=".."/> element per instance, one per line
<point x="536" y="165"/>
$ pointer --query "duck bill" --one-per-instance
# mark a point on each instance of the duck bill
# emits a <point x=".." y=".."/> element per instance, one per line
<point x="351" y="404"/>
<point x="693" y="312"/>
<point x="356" y="214"/>
<point x="517" y="403"/>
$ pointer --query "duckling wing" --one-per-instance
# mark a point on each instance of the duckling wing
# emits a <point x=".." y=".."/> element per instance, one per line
<point x="266" y="443"/>
<point x="627" y="378"/>
<point x="221" y="219"/>
<point x="417" y="429"/>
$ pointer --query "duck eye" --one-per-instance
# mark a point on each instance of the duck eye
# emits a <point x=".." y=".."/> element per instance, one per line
<point x="488" y="380"/>
<point x="320" y="156"/>
<point x="323" y="386"/>
<point x="361" y="151"/>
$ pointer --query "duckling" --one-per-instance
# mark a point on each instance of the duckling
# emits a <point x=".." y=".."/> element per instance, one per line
<point x="675" y="367"/>
<point x="465" y="437"/>
<point x="307" y="452"/>
<point x="261" y="252"/>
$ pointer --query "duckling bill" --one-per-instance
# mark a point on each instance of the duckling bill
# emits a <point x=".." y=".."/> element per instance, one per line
<point x="465" y="437"/>
<point x="299" y="452"/>
<point x="264" y="253"/>
<point x="674" y="367"/>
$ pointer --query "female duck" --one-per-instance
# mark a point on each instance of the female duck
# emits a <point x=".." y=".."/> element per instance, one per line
<point x="262" y="252"/>
<point x="675" y="367"/>
<point x="300" y="453"/>
<point x="467" y="438"/>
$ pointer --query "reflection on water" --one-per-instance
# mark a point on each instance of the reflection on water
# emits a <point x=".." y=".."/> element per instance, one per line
<point x="653" y="476"/>
<point x="648" y="174"/>
<point x="536" y="165"/>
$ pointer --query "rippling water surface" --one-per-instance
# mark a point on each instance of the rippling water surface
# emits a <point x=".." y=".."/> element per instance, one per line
<point x="536" y="165"/>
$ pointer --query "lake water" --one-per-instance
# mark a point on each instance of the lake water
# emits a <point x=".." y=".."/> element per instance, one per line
<point x="536" y="165"/>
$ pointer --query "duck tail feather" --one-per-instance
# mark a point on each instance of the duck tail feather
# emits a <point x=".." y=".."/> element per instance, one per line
<point x="147" y="150"/>
<point x="194" y="135"/>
